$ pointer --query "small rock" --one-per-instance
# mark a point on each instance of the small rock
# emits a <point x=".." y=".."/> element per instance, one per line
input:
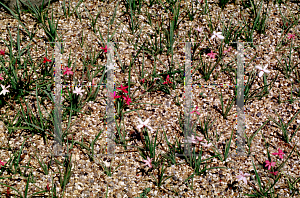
<point x="258" y="114"/>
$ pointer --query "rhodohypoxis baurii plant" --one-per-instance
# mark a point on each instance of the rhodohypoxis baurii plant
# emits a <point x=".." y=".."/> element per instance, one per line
<point x="243" y="176"/>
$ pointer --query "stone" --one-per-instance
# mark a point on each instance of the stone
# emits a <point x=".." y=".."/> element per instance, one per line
<point x="12" y="4"/>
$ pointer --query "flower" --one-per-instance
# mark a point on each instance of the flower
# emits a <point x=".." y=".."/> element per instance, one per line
<point x="211" y="54"/>
<point x="280" y="153"/>
<point x="143" y="80"/>
<point x="105" y="48"/>
<point x="1" y="78"/>
<point x="4" y="90"/>
<point x="192" y="139"/>
<point x="167" y="80"/>
<point x="114" y="95"/>
<point x="2" y="52"/>
<point x="148" y="162"/>
<point x="217" y="34"/>
<point x="46" y="60"/>
<point x="227" y="50"/>
<point x="270" y="164"/>
<point x="111" y="66"/>
<point x="206" y="145"/>
<point x="2" y="163"/>
<point x="48" y="187"/>
<point x="243" y="177"/>
<point x="195" y="111"/>
<point x="291" y="36"/>
<point x="262" y="70"/>
<point x="199" y="29"/>
<point x="93" y="81"/>
<point x="123" y="89"/>
<point x="127" y="99"/>
<point x="144" y="124"/>
<point x="78" y="91"/>
<point x="274" y="173"/>
<point x="68" y="71"/>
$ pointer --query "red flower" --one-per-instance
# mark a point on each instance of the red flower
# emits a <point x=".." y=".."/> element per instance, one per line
<point x="127" y="99"/>
<point x="105" y="48"/>
<point x="48" y="187"/>
<point x="46" y="60"/>
<point x="123" y="89"/>
<point x="2" y="52"/>
<point x="143" y="80"/>
<point x="167" y="80"/>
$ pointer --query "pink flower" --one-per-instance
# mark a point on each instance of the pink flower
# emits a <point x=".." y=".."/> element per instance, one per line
<point x="243" y="177"/>
<point x="123" y="89"/>
<point x="274" y="173"/>
<point x="48" y="187"/>
<point x="2" y="163"/>
<point x="211" y="54"/>
<point x="148" y="162"/>
<point x="193" y="140"/>
<point x="105" y="48"/>
<point x="269" y="164"/>
<point x="167" y="80"/>
<point x="280" y="153"/>
<point x="67" y="71"/>
<point x="2" y="52"/>
<point x="143" y="80"/>
<point x="195" y="111"/>
<point x="93" y="81"/>
<point x="46" y="60"/>
<point x="227" y="50"/>
<point x="1" y="78"/>
<point x="127" y="99"/>
<point x="291" y="36"/>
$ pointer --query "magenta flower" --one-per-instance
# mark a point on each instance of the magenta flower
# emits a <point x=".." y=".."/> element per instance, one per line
<point x="105" y="48"/>
<point x="291" y="36"/>
<point x="167" y="80"/>
<point x="2" y="163"/>
<point x="280" y="153"/>
<point x="1" y="78"/>
<point x="274" y="173"/>
<point x="195" y="111"/>
<point x="243" y="177"/>
<point x="269" y="164"/>
<point x="148" y="162"/>
<point x="211" y="54"/>
<point x="127" y="99"/>
<point x="123" y="89"/>
<point x="67" y="71"/>
<point x="46" y="60"/>
<point x="114" y="95"/>
<point x="2" y="52"/>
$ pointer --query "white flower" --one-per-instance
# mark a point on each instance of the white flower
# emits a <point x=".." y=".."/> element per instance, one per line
<point x="78" y="91"/>
<point x="217" y="34"/>
<point x="199" y="29"/>
<point x="4" y="90"/>
<point x="111" y="66"/>
<point x="142" y="124"/>
<point x="262" y="70"/>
